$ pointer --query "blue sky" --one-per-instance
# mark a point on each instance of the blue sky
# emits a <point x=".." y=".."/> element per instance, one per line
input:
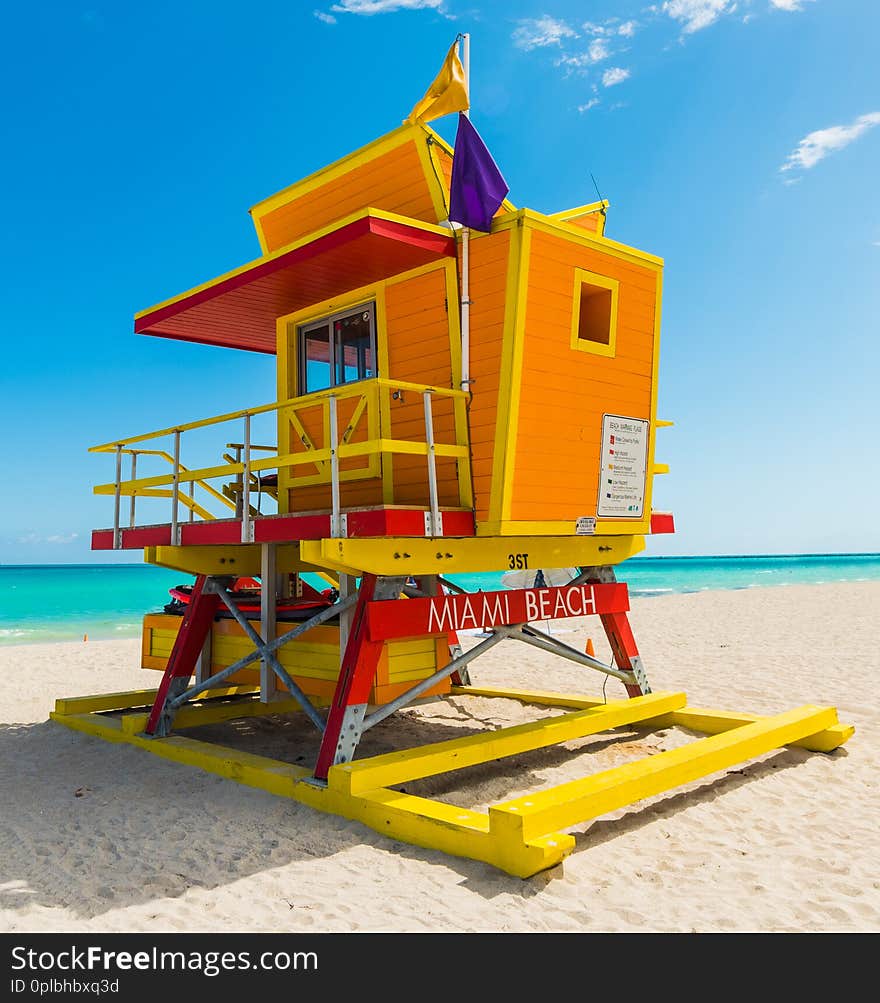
<point x="738" y="140"/>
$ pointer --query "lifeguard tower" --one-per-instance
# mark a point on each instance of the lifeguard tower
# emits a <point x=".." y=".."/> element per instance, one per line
<point x="447" y="402"/>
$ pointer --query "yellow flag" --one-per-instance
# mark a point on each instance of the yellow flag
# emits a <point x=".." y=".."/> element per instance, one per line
<point x="448" y="93"/>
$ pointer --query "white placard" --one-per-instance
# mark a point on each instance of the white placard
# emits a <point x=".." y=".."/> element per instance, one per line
<point x="623" y="468"/>
<point x="585" y="526"/>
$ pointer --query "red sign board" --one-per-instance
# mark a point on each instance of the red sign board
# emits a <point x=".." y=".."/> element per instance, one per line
<point x="484" y="610"/>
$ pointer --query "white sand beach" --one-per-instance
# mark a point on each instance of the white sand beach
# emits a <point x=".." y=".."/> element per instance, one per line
<point x="102" y="838"/>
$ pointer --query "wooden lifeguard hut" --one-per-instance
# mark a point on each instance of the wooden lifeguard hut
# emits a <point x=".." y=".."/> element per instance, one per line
<point x="448" y="401"/>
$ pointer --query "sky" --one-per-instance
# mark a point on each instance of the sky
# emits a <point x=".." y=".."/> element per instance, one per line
<point x="740" y="141"/>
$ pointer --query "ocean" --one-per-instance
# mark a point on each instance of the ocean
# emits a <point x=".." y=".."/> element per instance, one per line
<point x="64" y="602"/>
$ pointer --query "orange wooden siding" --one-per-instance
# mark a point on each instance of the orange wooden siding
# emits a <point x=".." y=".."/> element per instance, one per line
<point x="588" y="222"/>
<point x="394" y="181"/>
<point x="488" y="287"/>
<point x="565" y="392"/>
<point x="419" y="352"/>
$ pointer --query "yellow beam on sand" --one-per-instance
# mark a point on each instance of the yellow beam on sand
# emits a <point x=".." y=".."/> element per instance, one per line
<point x="214" y="712"/>
<point x="134" y="698"/>
<point x="457" y="753"/>
<point x="715" y="722"/>
<point x="541" y="697"/>
<point x="419" y="821"/>
<point x="579" y="801"/>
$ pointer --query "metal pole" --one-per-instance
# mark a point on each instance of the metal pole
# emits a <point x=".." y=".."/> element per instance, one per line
<point x="246" y="484"/>
<point x="133" y="477"/>
<point x="335" y="521"/>
<point x="264" y="650"/>
<point x="268" y="611"/>
<point x="416" y="691"/>
<point x="539" y="640"/>
<point x="117" y="538"/>
<point x="436" y="529"/>
<point x="465" y="245"/>
<point x="175" y="492"/>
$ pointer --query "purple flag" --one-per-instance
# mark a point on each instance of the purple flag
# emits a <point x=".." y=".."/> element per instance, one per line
<point x="478" y="187"/>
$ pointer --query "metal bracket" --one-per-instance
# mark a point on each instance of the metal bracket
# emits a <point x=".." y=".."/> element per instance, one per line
<point x="638" y="671"/>
<point x="433" y="525"/>
<point x="350" y="733"/>
<point x="163" y="729"/>
<point x="343" y="524"/>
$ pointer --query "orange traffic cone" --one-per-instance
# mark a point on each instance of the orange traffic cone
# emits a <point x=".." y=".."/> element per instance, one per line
<point x="590" y="650"/>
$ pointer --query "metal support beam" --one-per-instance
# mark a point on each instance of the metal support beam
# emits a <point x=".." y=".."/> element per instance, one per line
<point x="268" y="655"/>
<point x="416" y="691"/>
<point x="268" y="614"/>
<point x="291" y="635"/>
<point x="175" y="492"/>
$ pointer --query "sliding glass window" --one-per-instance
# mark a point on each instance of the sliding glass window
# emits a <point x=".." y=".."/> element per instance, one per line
<point x="337" y="349"/>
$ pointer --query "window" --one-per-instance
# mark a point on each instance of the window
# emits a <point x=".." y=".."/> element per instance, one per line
<point x="337" y="349"/>
<point x="594" y="313"/>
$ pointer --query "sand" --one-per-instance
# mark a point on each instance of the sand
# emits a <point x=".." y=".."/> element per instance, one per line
<point x="102" y="838"/>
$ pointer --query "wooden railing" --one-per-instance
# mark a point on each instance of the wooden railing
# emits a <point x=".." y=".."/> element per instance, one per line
<point x="317" y="456"/>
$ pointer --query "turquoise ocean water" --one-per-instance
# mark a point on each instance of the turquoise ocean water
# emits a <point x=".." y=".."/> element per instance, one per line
<point x="63" y="602"/>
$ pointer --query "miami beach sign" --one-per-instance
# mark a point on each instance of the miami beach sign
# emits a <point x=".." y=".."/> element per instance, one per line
<point x="485" y="610"/>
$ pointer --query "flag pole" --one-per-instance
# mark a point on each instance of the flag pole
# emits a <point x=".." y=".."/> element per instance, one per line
<point x="465" y="244"/>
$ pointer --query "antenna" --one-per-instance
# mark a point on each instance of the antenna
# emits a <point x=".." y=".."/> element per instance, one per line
<point x="602" y="210"/>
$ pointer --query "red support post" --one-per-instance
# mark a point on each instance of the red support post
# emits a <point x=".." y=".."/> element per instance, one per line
<point x="623" y="645"/>
<point x="197" y="621"/>
<point x="356" y="674"/>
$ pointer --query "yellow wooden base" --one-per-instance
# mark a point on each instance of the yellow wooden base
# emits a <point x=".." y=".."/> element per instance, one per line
<point x="522" y="836"/>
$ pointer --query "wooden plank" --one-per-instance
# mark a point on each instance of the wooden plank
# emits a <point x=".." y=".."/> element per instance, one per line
<point x="132" y="698"/>
<point x="581" y="800"/>
<point x="457" y="753"/>
<point x="715" y="722"/>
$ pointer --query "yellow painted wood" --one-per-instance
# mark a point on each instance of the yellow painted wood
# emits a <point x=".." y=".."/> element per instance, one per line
<point x="715" y="722"/>
<point x="225" y="559"/>
<point x="578" y="344"/>
<point x="502" y="838"/>
<point x="134" y="698"/>
<point x="214" y="712"/>
<point x="418" y="821"/>
<point x="457" y="753"/>
<point x="539" y="697"/>
<point x="410" y="555"/>
<point x="581" y="800"/>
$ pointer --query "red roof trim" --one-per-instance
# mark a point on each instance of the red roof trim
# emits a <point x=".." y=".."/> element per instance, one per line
<point x="424" y="239"/>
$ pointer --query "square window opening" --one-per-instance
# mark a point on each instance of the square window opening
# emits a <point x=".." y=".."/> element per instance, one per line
<point x="594" y="318"/>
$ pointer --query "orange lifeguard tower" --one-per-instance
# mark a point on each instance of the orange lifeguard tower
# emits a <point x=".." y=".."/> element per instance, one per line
<point x="447" y="402"/>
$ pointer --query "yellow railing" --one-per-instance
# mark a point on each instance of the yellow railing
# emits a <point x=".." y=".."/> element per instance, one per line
<point x="318" y="456"/>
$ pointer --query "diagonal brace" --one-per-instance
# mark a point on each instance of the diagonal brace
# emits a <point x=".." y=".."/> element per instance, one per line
<point x="263" y="650"/>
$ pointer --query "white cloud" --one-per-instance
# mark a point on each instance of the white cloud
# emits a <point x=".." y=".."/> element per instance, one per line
<point x="697" y="14"/>
<point x="628" y="29"/>
<point x="323" y="16"/>
<point x="590" y="104"/>
<point x="817" y="145"/>
<point x="30" y="538"/>
<point x="789" y="5"/>
<point x="615" y="75"/>
<point x="597" y="51"/>
<point x="384" y="6"/>
<point x="534" y="33"/>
